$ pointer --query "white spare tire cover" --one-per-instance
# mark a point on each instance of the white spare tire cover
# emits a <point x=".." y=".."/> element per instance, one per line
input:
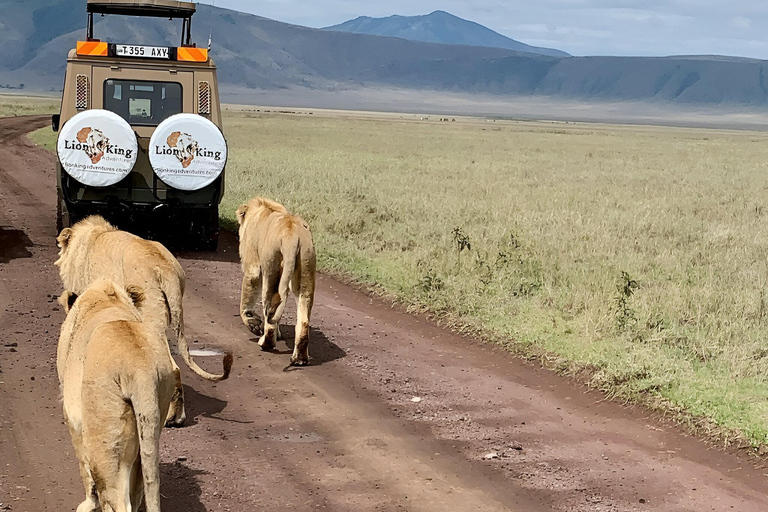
<point x="187" y="152"/>
<point x="97" y="147"/>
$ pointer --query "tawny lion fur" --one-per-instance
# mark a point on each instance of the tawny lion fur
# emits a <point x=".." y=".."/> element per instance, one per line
<point x="94" y="249"/>
<point x="117" y="381"/>
<point x="277" y="253"/>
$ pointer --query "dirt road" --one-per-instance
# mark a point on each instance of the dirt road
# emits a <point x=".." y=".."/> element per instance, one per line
<point x="489" y="433"/>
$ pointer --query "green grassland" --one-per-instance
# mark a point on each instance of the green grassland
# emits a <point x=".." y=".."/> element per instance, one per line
<point x="18" y="105"/>
<point x="633" y="257"/>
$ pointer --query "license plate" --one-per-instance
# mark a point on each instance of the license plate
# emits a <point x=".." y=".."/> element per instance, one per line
<point x="145" y="52"/>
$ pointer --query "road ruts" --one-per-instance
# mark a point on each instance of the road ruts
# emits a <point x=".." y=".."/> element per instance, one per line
<point x="487" y="432"/>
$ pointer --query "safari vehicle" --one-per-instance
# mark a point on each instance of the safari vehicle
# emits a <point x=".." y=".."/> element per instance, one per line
<point x="140" y="138"/>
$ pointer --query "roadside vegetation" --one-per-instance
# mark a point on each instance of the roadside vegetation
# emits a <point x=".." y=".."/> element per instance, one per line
<point x="633" y="257"/>
<point x="18" y="105"/>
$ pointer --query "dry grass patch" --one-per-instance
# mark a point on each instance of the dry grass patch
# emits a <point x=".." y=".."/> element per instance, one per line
<point x="637" y="254"/>
<point x="18" y="105"/>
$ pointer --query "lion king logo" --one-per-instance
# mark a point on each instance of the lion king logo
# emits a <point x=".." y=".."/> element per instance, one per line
<point x="94" y="143"/>
<point x="185" y="145"/>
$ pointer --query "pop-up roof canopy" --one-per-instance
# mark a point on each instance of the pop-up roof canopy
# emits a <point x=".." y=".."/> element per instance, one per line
<point x="157" y="8"/>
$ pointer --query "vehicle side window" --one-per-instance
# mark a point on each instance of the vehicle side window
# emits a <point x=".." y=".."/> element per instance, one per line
<point x="142" y="103"/>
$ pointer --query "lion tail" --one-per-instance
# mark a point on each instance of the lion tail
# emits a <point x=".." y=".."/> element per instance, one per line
<point x="181" y="341"/>
<point x="290" y="249"/>
<point x="173" y="296"/>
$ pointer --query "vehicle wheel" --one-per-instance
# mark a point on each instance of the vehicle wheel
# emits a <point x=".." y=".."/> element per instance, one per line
<point x="199" y="233"/>
<point x="210" y="244"/>
<point x="210" y="239"/>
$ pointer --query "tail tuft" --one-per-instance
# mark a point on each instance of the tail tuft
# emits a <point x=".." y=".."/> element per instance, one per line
<point x="272" y="308"/>
<point x="228" y="360"/>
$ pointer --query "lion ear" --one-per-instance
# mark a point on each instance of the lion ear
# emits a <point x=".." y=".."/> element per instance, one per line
<point x="63" y="239"/>
<point x="82" y="135"/>
<point x="241" y="211"/>
<point x="136" y="293"/>
<point x="67" y="300"/>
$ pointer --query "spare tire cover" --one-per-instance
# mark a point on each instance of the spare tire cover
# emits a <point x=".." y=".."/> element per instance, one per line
<point x="97" y="148"/>
<point x="187" y="151"/>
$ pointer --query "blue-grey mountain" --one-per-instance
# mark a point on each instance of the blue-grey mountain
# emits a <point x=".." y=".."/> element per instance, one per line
<point x="255" y="53"/>
<point x="438" y="27"/>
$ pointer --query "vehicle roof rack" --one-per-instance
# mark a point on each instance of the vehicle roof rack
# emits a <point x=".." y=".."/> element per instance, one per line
<point x="156" y="8"/>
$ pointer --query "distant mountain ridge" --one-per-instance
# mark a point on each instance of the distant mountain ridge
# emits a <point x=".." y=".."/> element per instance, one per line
<point x="259" y="54"/>
<point x="438" y="27"/>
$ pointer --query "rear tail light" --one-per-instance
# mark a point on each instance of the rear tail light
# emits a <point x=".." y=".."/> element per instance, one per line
<point x="81" y="92"/>
<point x="204" y="98"/>
<point x="190" y="54"/>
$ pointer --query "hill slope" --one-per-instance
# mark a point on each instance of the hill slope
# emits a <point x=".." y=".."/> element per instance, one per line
<point x="258" y="53"/>
<point x="250" y="51"/>
<point x="438" y="27"/>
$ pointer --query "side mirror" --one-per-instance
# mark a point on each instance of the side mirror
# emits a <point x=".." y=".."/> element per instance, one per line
<point x="55" y="119"/>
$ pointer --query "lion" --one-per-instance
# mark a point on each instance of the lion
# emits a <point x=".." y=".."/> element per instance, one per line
<point x="117" y="382"/>
<point x="276" y="252"/>
<point x="93" y="249"/>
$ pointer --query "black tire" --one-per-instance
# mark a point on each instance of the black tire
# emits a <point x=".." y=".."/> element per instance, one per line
<point x="209" y="242"/>
<point x="198" y="232"/>
<point x="209" y="245"/>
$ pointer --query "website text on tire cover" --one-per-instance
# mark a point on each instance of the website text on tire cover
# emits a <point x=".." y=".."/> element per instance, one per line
<point x="170" y="191"/>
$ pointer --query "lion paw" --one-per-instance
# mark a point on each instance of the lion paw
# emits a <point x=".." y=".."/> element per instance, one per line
<point x="176" y="419"/>
<point x="175" y="422"/>
<point x="266" y="344"/>
<point x="299" y="361"/>
<point x="253" y="323"/>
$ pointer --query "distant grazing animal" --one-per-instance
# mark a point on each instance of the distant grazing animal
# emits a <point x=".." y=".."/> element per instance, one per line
<point x="94" y="249"/>
<point x="117" y="381"/>
<point x="277" y="253"/>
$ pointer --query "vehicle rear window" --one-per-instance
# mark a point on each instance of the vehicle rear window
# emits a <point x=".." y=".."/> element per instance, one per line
<point x="141" y="102"/>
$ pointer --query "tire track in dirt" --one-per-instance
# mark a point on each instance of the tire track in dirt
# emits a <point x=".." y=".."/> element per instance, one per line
<point x="344" y="433"/>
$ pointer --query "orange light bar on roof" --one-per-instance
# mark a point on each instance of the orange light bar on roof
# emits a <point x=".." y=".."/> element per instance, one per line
<point x="189" y="54"/>
<point x="92" y="48"/>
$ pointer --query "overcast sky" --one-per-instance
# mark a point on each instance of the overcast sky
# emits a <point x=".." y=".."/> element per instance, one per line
<point x="579" y="27"/>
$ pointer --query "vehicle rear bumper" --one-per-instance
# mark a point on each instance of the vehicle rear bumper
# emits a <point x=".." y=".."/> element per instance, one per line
<point x="172" y="223"/>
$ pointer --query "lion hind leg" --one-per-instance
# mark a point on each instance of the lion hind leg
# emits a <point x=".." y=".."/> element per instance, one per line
<point x="304" y="301"/>
<point x="91" y="504"/>
<point x="269" y="287"/>
<point x="111" y="441"/>
<point x="137" y="485"/>
<point x="113" y="477"/>
<point x="91" y="501"/>
<point x="149" y="426"/>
